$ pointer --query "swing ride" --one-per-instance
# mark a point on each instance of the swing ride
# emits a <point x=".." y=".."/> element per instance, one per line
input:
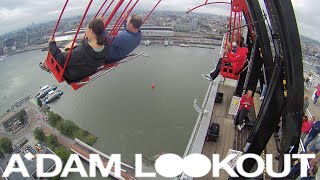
<point x="273" y="54"/>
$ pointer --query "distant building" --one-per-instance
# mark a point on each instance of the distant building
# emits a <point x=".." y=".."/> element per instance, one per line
<point x="5" y="50"/>
<point x="9" y="42"/>
<point x="182" y="28"/>
<point x="194" y="24"/>
<point x="14" y="48"/>
<point x="1" y="51"/>
<point x="13" y="120"/>
<point x="48" y="166"/>
<point x="160" y="31"/>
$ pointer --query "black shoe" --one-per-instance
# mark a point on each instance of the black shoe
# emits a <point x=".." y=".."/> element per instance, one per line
<point x="42" y="66"/>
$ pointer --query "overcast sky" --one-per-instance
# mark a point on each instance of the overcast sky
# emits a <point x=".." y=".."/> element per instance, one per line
<point x="16" y="14"/>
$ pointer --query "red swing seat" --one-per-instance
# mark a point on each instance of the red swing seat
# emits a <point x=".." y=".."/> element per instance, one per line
<point x="58" y="71"/>
<point x="233" y="63"/>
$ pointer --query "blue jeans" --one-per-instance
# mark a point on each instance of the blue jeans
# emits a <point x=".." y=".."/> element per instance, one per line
<point x="309" y="139"/>
<point x="264" y="90"/>
<point x="315" y="99"/>
<point x="303" y="136"/>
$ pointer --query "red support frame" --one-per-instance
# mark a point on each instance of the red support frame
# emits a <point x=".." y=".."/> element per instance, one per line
<point x="107" y="8"/>
<point x="227" y="71"/>
<point x="114" y="11"/>
<point x="56" y="69"/>
<point x="118" y="22"/>
<point x="206" y="3"/>
<point x="151" y="12"/>
<point x="100" y="9"/>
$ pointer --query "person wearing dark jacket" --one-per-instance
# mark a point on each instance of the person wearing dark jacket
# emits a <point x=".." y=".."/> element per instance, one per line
<point x="85" y="58"/>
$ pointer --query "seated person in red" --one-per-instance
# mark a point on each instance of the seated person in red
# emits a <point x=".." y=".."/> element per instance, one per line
<point x="85" y="58"/>
<point x="245" y="105"/>
<point x="306" y="126"/>
<point x="237" y="59"/>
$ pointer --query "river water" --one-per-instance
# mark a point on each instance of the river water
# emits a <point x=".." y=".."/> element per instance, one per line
<point x="121" y="108"/>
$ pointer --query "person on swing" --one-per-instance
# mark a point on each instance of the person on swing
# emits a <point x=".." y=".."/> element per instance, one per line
<point x="126" y="41"/>
<point x="85" y="58"/>
<point x="237" y="56"/>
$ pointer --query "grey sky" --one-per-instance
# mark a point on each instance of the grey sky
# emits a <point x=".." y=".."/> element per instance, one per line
<point x="16" y="14"/>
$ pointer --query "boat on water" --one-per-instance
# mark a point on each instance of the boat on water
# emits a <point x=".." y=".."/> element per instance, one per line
<point x="49" y="94"/>
<point x="171" y="43"/>
<point x="184" y="45"/>
<point x="43" y="93"/>
<point x="147" y="42"/>
<point x="43" y="88"/>
<point x="166" y="43"/>
<point x="53" y="96"/>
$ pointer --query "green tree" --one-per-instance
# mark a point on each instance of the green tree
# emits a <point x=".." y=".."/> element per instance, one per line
<point x="39" y="102"/>
<point x="63" y="154"/>
<point x="68" y="128"/>
<point x="39" y="134"/>
<point x="5" y="145"/>
<point x="52" y="141"/>
<point x="54" y="119"/>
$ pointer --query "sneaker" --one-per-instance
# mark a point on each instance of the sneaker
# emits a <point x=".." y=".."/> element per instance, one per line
<point x="43" y="67"/>
<point x="242" y="126"/>
<point x="261" y="98"/>
<point x="207" y="77"/>
<point x="239" y="127"/>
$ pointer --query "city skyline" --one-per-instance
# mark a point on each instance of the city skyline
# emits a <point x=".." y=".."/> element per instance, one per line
<point x="21" y="13"/>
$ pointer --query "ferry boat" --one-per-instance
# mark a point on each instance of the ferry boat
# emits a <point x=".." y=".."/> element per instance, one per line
<point x="53" y="96"/>
<point x="49" y="94"/>
<point x="184" y="45"/>
<point x="147" y="43"/>
<point x="46" y="91"/>
<point x="41" y="90"/>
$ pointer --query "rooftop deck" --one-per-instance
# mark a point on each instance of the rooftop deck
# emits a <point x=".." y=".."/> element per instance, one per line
<point x="230" y="137"/>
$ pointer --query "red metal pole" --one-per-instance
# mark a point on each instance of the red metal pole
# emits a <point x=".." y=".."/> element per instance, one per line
<point x="228" y="33"/>
<point x="113" y="13"/>
<point x="151" y="12"/>
<point x="55" y="29"/>
<point x="118" y="21"/>
<point x="107" y="8"/>
<point x="130" y="10"/>
<point x="100" y="9"/>
<point x="122" y="21"/>
<point x="75" y="37"/>
<point x="207" y="4"/>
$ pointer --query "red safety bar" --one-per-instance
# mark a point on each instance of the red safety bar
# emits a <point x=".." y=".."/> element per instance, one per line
<point x="238" y="7"/>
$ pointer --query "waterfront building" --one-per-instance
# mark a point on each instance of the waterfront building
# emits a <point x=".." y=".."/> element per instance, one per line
<point x="48" y="165"/>
<point x="13" y="120"/>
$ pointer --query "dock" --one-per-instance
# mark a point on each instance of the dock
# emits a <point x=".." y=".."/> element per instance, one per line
<point x="230" y="138"/>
